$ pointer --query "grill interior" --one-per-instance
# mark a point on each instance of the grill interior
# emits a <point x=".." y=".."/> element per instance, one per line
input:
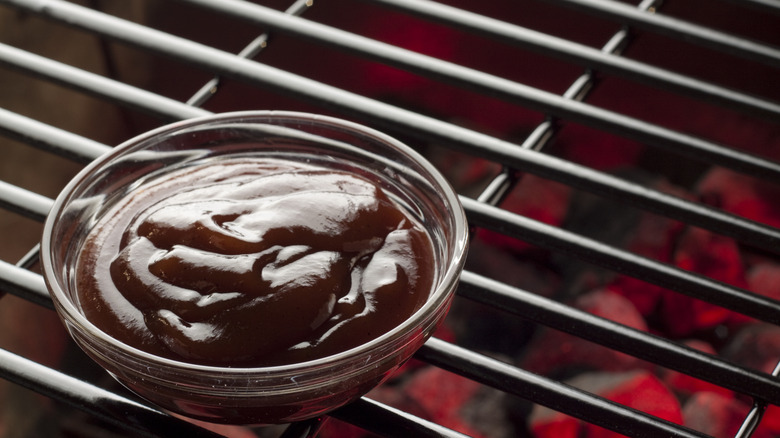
<point x="566" y="125"/>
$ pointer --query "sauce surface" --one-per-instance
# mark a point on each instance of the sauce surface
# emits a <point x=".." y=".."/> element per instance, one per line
<point x="253" y="262"/>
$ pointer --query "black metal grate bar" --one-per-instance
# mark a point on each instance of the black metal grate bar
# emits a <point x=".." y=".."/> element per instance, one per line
<point x="249" y="52"/>
<point x="683" y="30"/>
<point x="30" y="259"/>
<point x="475" y="143"/>
<point x="753" y="418"/>
<point x="388" y="421"/>
<point x="545" y="392"/>
<point x="770" y="6"/>
<point x="138" y="418"/>
<point x="24" y="202"/>
<point x="25" y="284"/>
<point x="47" y="137"/>
<point x="95" y="85"/>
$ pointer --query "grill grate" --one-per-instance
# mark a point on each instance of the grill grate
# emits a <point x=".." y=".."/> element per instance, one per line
<point x="533" y="153"/>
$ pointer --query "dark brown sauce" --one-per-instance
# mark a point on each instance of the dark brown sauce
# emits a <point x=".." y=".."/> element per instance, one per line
<point x="254" y="262"/>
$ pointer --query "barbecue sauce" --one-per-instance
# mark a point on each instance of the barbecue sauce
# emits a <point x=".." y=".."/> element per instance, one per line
<point x="248" y="262"/>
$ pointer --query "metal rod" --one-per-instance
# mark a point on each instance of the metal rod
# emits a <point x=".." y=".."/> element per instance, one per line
<point x="546" y="392"/>
<point x="499" y="187"/>
<point x="753" y="418"/>
<point x="388" y="421"/>
<point x="751" y="422"/>
<point x="770" y="6"/>
<point x="25" y="284"/>
<point x="96" y="85"/>
<point x="113" y="408"/>
<point x="304" y="429"/>
<point x="47" y="137"/>
<point x="250" y="51"/>
<point x="30" y="258"/>
<point x="680" y="29"/>
<point x="24" y="202"/>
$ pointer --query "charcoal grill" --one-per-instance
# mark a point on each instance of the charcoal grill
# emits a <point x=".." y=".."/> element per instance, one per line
<point x="551" y="62"/>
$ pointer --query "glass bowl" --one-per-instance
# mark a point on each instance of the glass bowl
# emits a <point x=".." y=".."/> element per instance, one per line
<point x="270" y="394"/>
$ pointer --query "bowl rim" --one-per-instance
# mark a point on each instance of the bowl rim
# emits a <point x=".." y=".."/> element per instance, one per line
<point x="438" y="298"/>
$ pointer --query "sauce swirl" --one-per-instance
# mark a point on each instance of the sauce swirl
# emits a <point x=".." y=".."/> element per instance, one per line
<point x="254" y="262"/>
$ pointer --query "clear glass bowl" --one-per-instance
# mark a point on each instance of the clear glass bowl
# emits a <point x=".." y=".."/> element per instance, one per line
<point x="277" y="394"/>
